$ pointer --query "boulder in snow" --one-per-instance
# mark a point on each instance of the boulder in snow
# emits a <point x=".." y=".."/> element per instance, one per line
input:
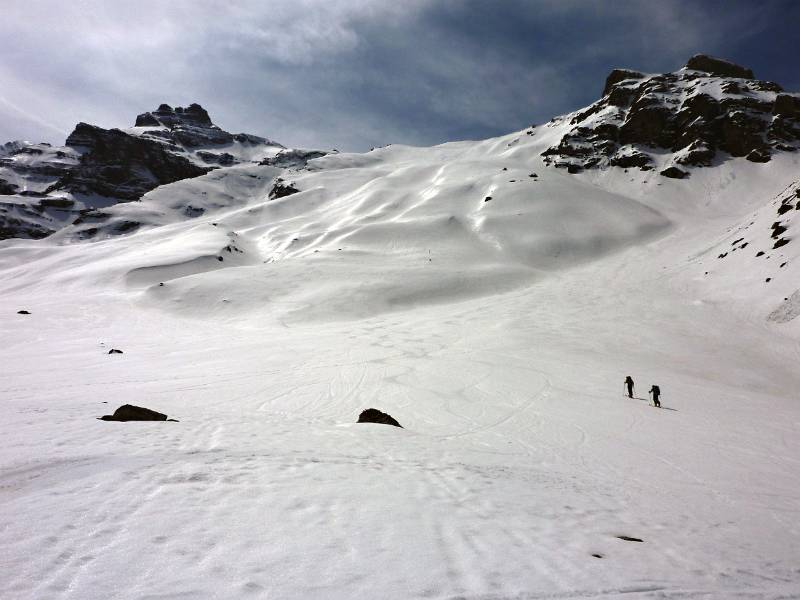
<point x="129" y="412"/>
<point x="373" y="415"/>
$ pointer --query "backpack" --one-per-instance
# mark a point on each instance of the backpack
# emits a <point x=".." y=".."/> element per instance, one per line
<point x="656" y="391"/>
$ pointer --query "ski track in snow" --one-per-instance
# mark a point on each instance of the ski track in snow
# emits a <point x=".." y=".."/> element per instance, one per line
<point x="501" y="348"/>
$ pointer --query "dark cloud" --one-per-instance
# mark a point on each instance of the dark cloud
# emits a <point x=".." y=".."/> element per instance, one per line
<point x="359" y="73"/>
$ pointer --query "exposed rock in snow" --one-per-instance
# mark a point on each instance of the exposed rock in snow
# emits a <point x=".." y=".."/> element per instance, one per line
<point x="373" y="415"/>
<point x="129" y="412"/>
<point x="115" y="164"/>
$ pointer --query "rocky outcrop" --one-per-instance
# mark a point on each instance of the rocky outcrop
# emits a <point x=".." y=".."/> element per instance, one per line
<point x="118" y="165"/>
<point x="717" y="66"/>
<point x="191" y="127"/>
<point x="709" y="108"/>
<point x="294" y="158"/>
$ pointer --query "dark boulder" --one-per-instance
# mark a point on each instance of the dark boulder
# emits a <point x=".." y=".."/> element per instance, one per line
<point x="129" y="412"/>
<point x="717" y="66"/>
<point x="373" y="415"/>
<point x="115" y="351"/>
<point x="674" y="173"/>
<point x="23" y="312"/>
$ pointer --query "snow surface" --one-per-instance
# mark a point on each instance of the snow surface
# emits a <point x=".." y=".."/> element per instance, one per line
<point x="498" y="333"/>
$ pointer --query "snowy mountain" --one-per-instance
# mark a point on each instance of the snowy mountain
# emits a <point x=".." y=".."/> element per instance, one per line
<point x="706" y="112"/>
<point x="47" y="188"/>
<point x="489" y="300"/>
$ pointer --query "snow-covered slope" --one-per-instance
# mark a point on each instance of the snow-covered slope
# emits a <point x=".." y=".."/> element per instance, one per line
<point x="490" y="303"/>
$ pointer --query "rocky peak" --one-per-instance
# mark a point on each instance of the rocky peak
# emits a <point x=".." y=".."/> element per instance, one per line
<point x="169" y="117"/>
<point x="709" y="110"/>
<point x="718" y="66"/>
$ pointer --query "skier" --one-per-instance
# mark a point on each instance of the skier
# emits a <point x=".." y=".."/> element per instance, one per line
<point x="656" y="392"/>
<point x="629" y="385"/>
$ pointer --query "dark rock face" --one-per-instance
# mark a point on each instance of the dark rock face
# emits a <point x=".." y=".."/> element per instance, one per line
<point x="640" y="116"/>
<point x="122" y="166"/>
<point x="129" y="412"/>
<point x="717" y="66"/>
<point x="373" y="415"/>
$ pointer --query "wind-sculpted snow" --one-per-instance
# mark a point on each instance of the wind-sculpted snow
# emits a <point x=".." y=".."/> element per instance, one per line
<point x="396" y="229"/>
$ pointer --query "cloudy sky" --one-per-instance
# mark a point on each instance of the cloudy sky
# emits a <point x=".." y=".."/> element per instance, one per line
<point x="352" y="74"/>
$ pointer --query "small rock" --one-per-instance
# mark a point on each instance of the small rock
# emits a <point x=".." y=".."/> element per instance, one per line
<point x="628" y="538"/>
<point x="487" y="198"/>
<point x="23" y="312"/>
<point x="115" y="351"/>
<point x="373" y="415"/>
